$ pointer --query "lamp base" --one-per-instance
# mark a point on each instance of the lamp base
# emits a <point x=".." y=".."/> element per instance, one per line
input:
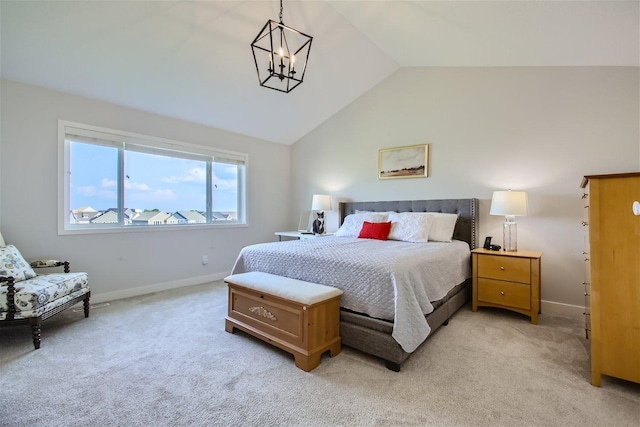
<point x="510" y="235"/>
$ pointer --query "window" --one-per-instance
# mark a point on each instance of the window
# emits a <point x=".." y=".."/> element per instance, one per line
<point x="118" y="180"/>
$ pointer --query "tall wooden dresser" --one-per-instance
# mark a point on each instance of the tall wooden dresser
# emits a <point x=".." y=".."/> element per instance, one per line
<point x="612" y="285"/>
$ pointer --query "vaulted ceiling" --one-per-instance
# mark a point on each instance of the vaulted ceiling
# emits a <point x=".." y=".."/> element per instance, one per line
<point x="192" y="59"/>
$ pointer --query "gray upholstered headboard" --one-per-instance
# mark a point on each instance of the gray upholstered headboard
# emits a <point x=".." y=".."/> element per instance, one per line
<point x="465" y="208"/>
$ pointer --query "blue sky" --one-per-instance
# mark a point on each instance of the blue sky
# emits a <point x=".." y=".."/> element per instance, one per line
<point x="151" y="181"/>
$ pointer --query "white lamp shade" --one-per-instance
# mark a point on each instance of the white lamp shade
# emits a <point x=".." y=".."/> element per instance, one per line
<point x="321" y="202"/>
<point x="513" y="203"/>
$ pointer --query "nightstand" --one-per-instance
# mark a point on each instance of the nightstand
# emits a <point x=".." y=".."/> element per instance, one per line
<point x="299" y="235"/>
<point x="509" y="280"/>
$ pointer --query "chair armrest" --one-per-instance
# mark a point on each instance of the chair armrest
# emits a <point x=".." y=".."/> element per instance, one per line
<point x="9" y="280"/>
<point x="50" y="263"/>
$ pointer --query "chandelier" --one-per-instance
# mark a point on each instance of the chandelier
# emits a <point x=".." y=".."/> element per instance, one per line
<point x="281" y="54"/>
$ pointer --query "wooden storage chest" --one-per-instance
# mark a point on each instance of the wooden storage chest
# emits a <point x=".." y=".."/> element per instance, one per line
<point x="306" y="324"/>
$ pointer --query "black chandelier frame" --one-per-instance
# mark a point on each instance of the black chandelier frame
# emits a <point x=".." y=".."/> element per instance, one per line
<point x="282" y="48"/>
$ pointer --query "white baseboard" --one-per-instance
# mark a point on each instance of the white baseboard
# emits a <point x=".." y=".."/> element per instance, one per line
<point x="551" y="307"/>
<point x="142" y="290"/>
<point x="547" y="307"/>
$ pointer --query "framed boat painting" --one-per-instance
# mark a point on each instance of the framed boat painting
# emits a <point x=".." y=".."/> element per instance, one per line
<point x="403" y="162"/>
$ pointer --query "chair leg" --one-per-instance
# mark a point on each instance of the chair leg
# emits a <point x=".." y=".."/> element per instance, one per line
<point x="86" y="306"/>
<point x="35" y="331"/>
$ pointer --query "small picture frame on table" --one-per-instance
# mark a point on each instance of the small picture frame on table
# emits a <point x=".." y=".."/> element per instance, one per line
<point x="306" y="222"/>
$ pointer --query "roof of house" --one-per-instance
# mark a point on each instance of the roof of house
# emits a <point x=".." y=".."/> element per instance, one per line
<point x="192" y="216"/>
<point x="151" y="215"/>
<point x="107" y="217"/>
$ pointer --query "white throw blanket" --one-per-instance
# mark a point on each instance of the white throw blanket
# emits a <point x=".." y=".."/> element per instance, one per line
<point x="389" y="280"/>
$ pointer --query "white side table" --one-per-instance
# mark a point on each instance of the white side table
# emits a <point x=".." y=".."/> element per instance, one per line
<point x="299" y="235"/>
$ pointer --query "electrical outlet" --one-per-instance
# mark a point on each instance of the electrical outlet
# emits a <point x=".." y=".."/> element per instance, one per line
<point x="205" y="260"/>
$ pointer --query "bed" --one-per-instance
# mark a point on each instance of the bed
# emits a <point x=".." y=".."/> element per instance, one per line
<point x="387" y="280"/>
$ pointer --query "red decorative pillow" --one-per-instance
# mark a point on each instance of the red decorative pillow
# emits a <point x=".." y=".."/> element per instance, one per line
<point x="375" y="230"/>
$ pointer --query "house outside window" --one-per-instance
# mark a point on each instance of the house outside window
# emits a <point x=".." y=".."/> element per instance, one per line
<point x="113" y="180"/>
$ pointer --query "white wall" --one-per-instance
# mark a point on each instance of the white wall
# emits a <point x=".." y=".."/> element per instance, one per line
<point x="123" y="264"/>
<point x="533" y="129"/>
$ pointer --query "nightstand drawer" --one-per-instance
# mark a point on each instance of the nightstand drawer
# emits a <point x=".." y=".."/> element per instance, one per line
<point x="504" y="293"/>
<point x="511" y="269"/>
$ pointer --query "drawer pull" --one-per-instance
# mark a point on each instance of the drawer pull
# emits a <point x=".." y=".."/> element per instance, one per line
<point x="502" y="268"/>
<point x="501" y="292"/>
<point x="261" y="311"/>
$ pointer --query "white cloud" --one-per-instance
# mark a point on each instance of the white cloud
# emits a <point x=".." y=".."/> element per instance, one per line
<point x="192" y="175"/>
<point x="108" y="194"/>
<point x="164" y="195"/>
<point x="153" y="196"/>
<point x="88" y="190"/>
<point x="111" y="183"/>
<point x="225" y="184"/>
<point x="136" y="186"/>
<point x="108" y="183"/>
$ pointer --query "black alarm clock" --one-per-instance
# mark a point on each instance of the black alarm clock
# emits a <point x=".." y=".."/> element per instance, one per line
<point x="489" y="246"/>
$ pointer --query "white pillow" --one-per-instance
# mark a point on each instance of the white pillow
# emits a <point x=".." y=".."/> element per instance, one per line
<point x="385" y="212"/>
<point x="12" y="264"/>
<point x="442" y="226"/>
<point x="353" y="223"/>
<point x="410" y="226"/>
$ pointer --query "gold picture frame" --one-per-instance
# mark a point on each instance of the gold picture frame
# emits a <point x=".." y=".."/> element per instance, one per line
<point x="411" y="161"/>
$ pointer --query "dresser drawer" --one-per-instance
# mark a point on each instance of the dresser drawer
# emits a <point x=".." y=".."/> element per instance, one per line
<point x="277" y="317"/>
<point x="504" y="293"/>
<point x="512" y="269"/>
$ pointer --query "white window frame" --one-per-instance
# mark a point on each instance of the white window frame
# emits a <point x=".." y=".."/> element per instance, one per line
<point x="148" y="144"/>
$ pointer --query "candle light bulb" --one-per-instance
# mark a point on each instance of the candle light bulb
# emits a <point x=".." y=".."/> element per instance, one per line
<point x="282" y="66"/>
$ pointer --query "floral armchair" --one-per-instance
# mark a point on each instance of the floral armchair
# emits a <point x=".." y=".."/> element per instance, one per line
<point x="30" y="298"/>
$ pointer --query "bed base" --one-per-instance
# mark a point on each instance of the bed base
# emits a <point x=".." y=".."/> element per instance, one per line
<point x="373" y="336"/>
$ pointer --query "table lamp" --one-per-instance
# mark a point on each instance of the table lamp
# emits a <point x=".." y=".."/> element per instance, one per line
<point x="510" y="204"/>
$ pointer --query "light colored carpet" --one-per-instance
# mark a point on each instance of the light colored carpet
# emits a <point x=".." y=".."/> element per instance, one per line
<point x="165" y="360"/>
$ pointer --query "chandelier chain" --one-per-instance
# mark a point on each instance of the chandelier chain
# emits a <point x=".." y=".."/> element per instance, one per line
<point x="281" y="11"/>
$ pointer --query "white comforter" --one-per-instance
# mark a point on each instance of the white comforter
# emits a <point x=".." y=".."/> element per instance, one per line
<point x="385" y="279"/>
